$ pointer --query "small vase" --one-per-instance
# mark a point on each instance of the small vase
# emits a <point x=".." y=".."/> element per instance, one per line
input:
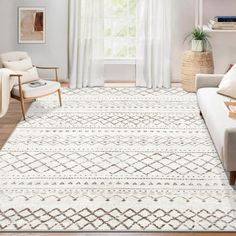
<point x="197" y="46"/>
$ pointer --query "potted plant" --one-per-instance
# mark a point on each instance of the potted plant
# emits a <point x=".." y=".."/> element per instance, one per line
<point x="199" y="40"/>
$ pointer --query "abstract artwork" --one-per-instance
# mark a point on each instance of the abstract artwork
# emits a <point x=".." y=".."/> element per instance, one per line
<point x="32" y="25"/>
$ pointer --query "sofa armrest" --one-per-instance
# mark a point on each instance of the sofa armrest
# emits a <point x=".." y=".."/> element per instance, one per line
<point x="230" y="149"/>
<point x="208" y="80"/>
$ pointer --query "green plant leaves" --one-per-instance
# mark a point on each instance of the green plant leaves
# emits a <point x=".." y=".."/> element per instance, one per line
<point x="198" y="33"/>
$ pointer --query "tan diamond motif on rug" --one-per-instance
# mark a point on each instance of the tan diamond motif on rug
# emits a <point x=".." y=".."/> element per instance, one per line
<point x="114" y="159"/>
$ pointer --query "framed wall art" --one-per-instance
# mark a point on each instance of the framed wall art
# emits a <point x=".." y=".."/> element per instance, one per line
<point x="32" y="25"/>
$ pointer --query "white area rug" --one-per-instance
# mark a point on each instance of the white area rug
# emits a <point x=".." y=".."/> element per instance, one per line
<point x="114" y="159"/>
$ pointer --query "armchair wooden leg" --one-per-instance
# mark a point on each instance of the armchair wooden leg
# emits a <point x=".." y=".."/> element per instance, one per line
<point x="232" y="177"/>
<point x="59" y="94"/>
<point x="21" y="96"/>
<point x="22" y="107"/>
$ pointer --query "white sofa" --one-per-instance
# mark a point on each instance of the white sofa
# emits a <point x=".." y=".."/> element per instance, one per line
<point x="221" y="127"/>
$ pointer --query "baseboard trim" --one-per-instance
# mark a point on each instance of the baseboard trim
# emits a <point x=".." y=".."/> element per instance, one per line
<point x="119" y="82"/>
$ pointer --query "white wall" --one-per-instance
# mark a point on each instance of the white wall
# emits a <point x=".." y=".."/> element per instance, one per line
<point x="223" y="44"/>
<point x="54" y="52"/>
<point x="7" y="25"/>
<point x="183" y="20"/>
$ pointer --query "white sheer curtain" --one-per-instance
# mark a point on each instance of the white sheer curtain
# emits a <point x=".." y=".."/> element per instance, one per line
<point x="153" y="43"/>
<point x="86" y="43"/>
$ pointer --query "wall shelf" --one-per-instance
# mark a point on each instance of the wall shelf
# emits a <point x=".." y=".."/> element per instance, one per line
<point x="199" y="15"/>
<point x="207" y="29"/>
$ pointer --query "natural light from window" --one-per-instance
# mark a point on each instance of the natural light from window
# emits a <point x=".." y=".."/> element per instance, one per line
<point x="120" y="29"/>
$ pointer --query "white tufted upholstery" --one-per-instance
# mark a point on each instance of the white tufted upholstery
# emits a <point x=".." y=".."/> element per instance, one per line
<point x="12" y="56"/>
<point x="20" y="63"/>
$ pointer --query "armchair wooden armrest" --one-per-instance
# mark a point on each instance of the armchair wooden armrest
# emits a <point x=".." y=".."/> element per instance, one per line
<point x="19" y="79"/>
<point x="15" y="75"/>
<point x="47" y="68"/>
<point x="20" y="86"/>
<point x="50" y="68"/>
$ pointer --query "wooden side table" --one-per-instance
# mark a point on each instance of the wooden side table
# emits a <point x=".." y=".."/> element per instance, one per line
<point x="195" y="63"/>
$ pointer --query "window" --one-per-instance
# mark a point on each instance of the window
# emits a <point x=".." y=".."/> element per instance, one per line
<point x="120" y="29"/>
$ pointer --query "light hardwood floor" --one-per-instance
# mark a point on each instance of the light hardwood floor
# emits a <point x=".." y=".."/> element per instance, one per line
<point x="10" y="120"/>
<point x="7" y="126"/>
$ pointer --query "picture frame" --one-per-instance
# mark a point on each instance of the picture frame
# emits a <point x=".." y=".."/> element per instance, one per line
<point x="31" y="25"/>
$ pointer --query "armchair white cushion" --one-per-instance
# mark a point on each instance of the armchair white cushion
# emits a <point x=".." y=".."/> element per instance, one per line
<point x="12" y="56"/>
<point x="21" y="65"/>
<point x="30" y="92"/>
<point x="27" y="76"/>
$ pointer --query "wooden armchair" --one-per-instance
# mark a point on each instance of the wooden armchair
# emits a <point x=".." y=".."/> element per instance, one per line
<point x="26" y="73"/>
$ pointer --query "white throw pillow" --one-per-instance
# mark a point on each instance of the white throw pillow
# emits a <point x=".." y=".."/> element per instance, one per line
<point x="27" y="76"/>
<point x="228" y="84"/>
<point x="33" y="72"/>
<point x="22" y="65"/>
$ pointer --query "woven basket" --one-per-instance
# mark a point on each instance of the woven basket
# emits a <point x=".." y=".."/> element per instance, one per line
<point x="195" y="63"/>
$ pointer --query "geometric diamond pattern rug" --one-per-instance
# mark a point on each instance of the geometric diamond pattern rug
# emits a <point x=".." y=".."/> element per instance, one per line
<point x="114" y="159"/>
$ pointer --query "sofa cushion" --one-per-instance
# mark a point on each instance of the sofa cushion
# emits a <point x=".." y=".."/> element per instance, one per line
<point x="21" y="65"/>
<point x="228" y="84"/>
<point x="29" y="92"/>
<point x="215" y="115"/>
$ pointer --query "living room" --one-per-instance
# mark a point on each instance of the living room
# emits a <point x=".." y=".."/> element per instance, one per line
<point x="117" y="116"/>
